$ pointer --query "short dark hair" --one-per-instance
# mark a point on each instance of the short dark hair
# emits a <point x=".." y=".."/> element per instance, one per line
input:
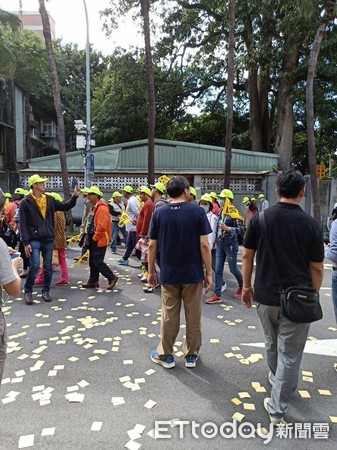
<point x="176" y="186"/>
<point x="289" y="183"/>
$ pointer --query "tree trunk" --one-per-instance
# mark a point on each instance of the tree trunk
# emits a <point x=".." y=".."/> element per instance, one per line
<point x="230" y="91"/>
<point x="329" y="7"/>
<point x="145" y="10"/>
<point x="258" y="91"/>
<point x="285" y="103"/>
<point x="56" y="97"/>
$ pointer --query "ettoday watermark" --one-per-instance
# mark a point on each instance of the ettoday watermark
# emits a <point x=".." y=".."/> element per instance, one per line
<point x="168" y="429"/>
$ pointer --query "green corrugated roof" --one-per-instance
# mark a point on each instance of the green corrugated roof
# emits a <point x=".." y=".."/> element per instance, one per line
<point x="170" y="157"/>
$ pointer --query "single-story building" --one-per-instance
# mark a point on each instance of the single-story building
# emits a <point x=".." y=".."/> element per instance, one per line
<point x="121" y="164"/>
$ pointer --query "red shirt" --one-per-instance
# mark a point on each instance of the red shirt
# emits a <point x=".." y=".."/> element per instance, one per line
<point x="144" y="218"/>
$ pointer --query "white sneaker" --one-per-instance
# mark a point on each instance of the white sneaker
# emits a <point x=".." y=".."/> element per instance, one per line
<point x="223" y="287"/>
<point x="271" y="378"/>
<point x="276" y="421"/>
<point x="143" y="279"/>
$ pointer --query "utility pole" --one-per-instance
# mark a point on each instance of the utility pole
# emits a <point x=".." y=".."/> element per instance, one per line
<point x="89" y="157"/>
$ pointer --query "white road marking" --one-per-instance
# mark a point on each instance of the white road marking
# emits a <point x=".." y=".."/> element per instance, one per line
<point x="326" y="347"/>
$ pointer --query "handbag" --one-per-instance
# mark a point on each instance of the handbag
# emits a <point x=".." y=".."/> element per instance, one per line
<point x="299" y="304"/>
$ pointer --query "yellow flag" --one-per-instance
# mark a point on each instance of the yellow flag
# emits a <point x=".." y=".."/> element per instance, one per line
<point x="74" y="239"/>
<point x="164" y="179"/>
<point x="84" y="258"/>
<point x="124" y="219"/>
<point x="230" y="210"/>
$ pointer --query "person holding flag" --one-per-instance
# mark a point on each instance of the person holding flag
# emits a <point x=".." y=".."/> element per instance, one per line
<point x="230" y="225"/>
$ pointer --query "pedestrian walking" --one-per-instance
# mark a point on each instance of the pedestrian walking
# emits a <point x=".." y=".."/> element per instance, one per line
<point x="99" y="230"/>
<point x="230" y="225"/>
<point x="116" y="208"/>
<point x="132" y="211"/>
<point x="10" y="282"/>
<point x="264" y="204"/>
<point x="296" y="240"/>
<point x="331" y="253"/>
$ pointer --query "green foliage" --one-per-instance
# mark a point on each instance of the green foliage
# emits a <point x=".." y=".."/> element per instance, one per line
<point x="32" y="69"/>
<point x="9" y="25"/>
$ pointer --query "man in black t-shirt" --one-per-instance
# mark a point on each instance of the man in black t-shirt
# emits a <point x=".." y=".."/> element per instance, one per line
<point x="179" y="233"/>
<point x="297" y="244"/>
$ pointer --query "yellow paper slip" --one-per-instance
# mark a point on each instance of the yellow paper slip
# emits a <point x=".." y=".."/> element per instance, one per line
<point x="304" y="394"/>
<point x="249" y="406"/>
<point x="238" y="416"/>
<point x="324" y="392"/>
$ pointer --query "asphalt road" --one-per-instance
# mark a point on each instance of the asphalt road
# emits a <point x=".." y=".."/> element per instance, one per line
<point x="85" y="342"/>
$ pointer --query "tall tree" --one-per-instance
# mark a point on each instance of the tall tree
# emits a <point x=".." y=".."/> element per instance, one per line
<point x="145" y="10"/>
<point x="56" y="97"/>
<point x="12" y="22"/>
<point x="230" y="91"/>
<point x="328" y="13"/>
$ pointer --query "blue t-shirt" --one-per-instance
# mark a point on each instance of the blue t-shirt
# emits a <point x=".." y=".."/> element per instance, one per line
<point x="177" y="227"/>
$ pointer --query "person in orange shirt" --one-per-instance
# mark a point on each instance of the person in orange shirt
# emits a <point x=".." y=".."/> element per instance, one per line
<point x="99" y="231"/>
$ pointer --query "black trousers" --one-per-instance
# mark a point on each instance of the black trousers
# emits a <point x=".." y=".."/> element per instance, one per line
<point x="97" y="264"/>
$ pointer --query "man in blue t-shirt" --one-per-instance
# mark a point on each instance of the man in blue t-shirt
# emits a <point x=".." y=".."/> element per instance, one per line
<point x="179" y="233"/>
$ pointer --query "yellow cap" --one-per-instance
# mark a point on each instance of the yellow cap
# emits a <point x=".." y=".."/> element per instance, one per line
<point x="144" y="190"/>
<point x="206" y="198"/>
<point x="36" y="179"/>
<point x="193" y="191"/>
<point x="159" y="186"/>
<point x="95" y="190"/>
<point x="226" y="193"/>
<point x="128" y="189"/>
<point x="19" y="191"/>
<point x="56" y="196"/>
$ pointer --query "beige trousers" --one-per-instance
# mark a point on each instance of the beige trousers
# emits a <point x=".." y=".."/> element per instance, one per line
<point x="172" y="297"/>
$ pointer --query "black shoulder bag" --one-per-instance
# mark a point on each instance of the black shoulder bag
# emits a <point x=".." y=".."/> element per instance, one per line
<point x="299" y="304"/>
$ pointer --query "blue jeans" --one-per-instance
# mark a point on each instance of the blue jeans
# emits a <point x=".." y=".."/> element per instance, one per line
<point x="46" y="248"/>
<point x="130" y="244"/>
<point x="115" y="230"/>
<point x="229" y="250"/>
<point x="334" y="292"/>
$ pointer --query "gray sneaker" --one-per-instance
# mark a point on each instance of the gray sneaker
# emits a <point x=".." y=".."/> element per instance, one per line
<point x="46" y="297"/>
<point x="29" y="298"/>
<point x="276" y="421"/>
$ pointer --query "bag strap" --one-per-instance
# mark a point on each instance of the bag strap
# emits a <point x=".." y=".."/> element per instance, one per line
<point x="263" y="225"/>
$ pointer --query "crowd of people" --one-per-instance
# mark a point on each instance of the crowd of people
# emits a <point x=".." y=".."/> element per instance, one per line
<point x="181" y="243"/>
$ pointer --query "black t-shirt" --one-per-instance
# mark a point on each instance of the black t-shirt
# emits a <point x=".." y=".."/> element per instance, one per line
<point x="295" y="240"/>
<point x="177" y="227"/>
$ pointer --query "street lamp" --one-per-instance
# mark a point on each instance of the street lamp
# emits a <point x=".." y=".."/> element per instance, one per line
<point x="84" y="143"/>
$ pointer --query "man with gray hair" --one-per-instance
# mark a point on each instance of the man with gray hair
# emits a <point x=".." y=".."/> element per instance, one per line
<point x="10" y="282"/>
